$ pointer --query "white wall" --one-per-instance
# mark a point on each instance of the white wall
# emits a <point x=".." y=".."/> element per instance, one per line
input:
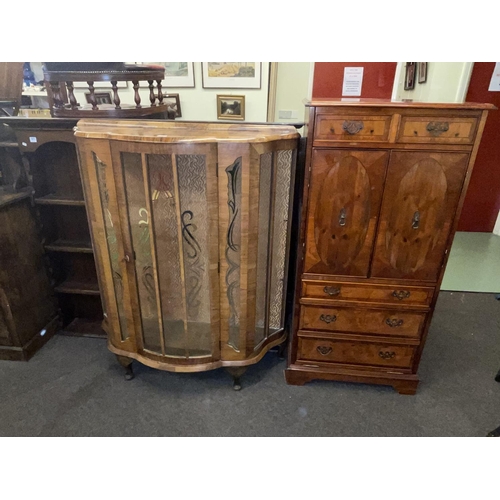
<point x="293" y="86"/>
<point x="446" y="82"/>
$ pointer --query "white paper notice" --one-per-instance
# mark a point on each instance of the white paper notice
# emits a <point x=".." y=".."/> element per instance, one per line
<point x="353" y="80"/>
<point x="495" y="79"/>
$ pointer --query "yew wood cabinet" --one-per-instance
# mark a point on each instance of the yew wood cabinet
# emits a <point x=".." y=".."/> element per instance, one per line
<point x="384" y="185"/>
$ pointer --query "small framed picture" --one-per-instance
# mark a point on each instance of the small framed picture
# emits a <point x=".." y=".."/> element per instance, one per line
<point x="230" y="107"/>
<point x="411" y="69"/>
<point x="178" y="74"/>
<point x="174" y="103"/>
<point x="100" y="97"/>
<point x="422" y="72"/>
<point x="231" y="75"/>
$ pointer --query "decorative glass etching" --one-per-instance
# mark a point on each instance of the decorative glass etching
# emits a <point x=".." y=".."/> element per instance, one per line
<point x="111" y="243"/>
<point x="163" y="196"/>
<point x="265" y="181"/>
<point x="139" y="220"/>
<point x="194" y="211"/>
<point x="279" y="239"/>
<point x="233" y="242"/>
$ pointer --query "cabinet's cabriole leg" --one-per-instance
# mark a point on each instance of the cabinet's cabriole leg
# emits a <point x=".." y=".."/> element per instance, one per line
<point x="236" y="373"/>
<point x="127" y="364"/>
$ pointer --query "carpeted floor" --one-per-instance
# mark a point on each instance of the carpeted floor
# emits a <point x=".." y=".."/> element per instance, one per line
<point x="75" y="387"/>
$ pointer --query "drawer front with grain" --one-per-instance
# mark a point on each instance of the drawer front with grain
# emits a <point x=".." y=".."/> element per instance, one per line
<point x="351" y="352"/>
<point x="437" y="130"/>
<point x="373" y="294"/>
<point x="349" y="128"/>
<point x="361" y="320"/>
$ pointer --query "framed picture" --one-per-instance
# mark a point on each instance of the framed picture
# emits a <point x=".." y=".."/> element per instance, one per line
<point x="178" y="74"/>
<point x="174" y="103"/>
<point x="411" y="70"/>
<point x="422" y="72"/>
<point x="230" y="107"/>
<point x="231" y="75"/>
<point x="100" y="97"/>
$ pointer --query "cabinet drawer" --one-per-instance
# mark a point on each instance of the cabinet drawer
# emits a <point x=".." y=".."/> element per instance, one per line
<point x="375" y="294"/>
<point x="352" y="352"/>
<point x="338" y="127"/>
<point x="437" y="130"/>
<point x="360" y="320"/>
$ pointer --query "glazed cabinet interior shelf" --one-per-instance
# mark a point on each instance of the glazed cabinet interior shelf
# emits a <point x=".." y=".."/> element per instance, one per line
<point x="190" y="225"/>
<point x="384" y="185"/>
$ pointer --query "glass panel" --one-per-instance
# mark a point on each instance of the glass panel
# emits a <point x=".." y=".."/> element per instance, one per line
<point x="166" y="232"/>
<point x="233" y="239"/>
<point x="111" y="244"/>
<point x="192" y="178"/>
<point x="263" y="245"/>
<point x="279" y="241"/>
<point x="139" y="230"/>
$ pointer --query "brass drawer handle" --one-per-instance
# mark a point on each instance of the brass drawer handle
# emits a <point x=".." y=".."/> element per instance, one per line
<point x="324" y="350"/>
<point x="436" y="128"/>
<point x="393" y="323"/>
<point x="342" y="217"/>
<point x="327" y="318"/>
<point x="352" y="127"/>
<point x="415" y="223"/>
<point x="387" y="354"/>
<point x="401" y="294"/>
<point x="332" y="290"/>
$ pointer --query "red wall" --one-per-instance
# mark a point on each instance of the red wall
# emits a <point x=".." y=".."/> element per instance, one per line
<point x="378" y="79"/>
<point x="482" y="201"/>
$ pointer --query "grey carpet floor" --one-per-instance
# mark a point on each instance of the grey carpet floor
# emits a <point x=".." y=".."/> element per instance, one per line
<point x="74" y="387"/>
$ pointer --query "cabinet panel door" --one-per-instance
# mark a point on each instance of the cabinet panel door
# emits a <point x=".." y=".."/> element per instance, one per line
<point x="170" y="212"/>
<point x="345" y="196"/>
<point x="420" y="200"/>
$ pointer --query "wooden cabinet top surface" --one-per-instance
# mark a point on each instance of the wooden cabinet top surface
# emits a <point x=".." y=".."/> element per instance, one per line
<point x="177" y="132"/>
<point x="388" y="103"/>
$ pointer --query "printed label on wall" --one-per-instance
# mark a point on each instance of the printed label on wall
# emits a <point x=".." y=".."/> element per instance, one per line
<point x="495" y="79"/>
<point x="353" y="80"/>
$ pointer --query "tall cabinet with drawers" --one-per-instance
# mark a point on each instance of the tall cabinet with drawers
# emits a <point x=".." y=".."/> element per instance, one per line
<point x="384" y="185"/>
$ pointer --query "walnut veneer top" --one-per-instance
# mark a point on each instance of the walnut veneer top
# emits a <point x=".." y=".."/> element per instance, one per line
<point x="174" y="132"/>
<point x="352" y="101"/>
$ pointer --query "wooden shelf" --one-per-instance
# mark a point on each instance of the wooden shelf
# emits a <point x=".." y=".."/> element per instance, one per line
<point x="69" y="246"/>
<point x="82" y="327"/>
<point x="52" y="199"/>
<point x="78" y="287"/>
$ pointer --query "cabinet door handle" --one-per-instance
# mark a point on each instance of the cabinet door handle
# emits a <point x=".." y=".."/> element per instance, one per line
<point x="327" y="318"/>
<point x="394" y="323"/>
<point x="401" y="294"/>
<point x="352" y="127"/>
<point x="387" y="354"/>
<point x="416" y="220"/>
<point x="324" y="350"/>
<point x="342" y="217"/>
<point x="332" y="290"/>
<point x="436" y="128"/>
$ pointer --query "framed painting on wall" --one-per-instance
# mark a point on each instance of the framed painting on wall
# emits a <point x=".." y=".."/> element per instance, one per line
<point x="411" y="70"/>
<point x="231" y="75"/>
<point x="178" y="74"/>
<point x="422" y="72"/>
<point x="230" y="107"/>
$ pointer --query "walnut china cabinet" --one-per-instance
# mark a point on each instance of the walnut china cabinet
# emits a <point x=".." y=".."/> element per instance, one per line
<point x="384" y="185"/>
<point x="190" y="227"/>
